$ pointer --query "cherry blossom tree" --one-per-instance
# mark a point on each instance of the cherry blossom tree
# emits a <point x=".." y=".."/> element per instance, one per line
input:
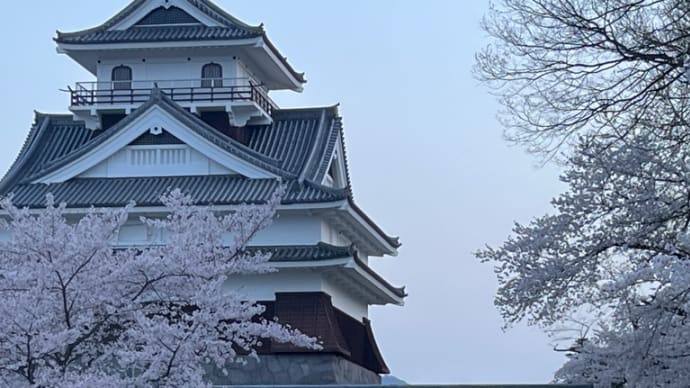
<point x="612" y="263"/>
<point x="605" y="86"/>
<point x="76" y="310"/>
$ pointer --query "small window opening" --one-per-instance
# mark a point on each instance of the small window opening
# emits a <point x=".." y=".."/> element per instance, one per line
<point x="212" y="76"/>
<point x="122" y="78"/>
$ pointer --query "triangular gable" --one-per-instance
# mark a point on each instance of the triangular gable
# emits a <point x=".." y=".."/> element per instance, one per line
<point x="167" y="16"/>
<point x="154" y="119"/>
<point x="147" y="8"/>
<point x="337" y="174"/>
<point x="327" y="164"/>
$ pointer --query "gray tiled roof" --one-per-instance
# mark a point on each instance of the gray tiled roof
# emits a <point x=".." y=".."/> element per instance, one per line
<point x="297" y="144"/>
<point x="323" y="251"/>
<point x="281" y="148"/>
<point x="317" y="252"/>
<point x="160" y="34"/>
<point x="146" y="191"/>
<point x="39" y="156"/>
<point x="295" y="135"/>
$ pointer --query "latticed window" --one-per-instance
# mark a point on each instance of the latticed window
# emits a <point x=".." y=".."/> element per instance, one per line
<point x="212" y="76"/>
<point x="122" y="78"/>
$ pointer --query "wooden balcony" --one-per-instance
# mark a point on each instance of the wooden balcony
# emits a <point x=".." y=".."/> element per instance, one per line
<point x="190" y="92"/>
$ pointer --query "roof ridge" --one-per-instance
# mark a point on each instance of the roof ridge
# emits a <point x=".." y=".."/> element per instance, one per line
<point x="321" y="169"/>
<point x="341" y="130"/>
<point x="312" y="154"/>
<point x="214" y="7"/>
<point x="207" y="7"/>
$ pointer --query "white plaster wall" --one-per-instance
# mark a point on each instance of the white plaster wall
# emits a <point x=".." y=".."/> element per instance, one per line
<point x="285" y="230"/>
<point x="291" y="229"/>
<point x="264" y="287"/>
<point x="345" y="301"/>
<point x="332" y="236"/>
<point x="170" y="68"/>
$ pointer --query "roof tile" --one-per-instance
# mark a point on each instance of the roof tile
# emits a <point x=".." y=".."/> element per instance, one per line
<point x="146" y="191"/>
<point x="159" y="34"/>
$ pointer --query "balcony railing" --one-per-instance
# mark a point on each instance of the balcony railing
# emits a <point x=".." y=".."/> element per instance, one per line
<point x="202" y="91"/>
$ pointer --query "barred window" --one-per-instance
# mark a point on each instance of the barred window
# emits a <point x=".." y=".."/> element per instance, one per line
<point x="122" y="78"/>
<point x="212" y="76"/>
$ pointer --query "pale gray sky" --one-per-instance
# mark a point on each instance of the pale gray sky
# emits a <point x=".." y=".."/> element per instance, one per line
<point x="426" y="154"/>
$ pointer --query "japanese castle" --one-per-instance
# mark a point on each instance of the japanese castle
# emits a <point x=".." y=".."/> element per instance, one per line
<point x="181" y="99"/>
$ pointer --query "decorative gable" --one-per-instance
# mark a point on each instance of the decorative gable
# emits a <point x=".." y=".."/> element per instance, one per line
<point x="159" y="154"/>
<point x="167" y="16"/>
<point x="337" y="170"/>
<point x="164" y="12"/>
<point x="123" y="155"/>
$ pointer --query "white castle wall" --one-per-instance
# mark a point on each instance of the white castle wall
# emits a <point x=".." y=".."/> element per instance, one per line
<point x="184" y="68"/>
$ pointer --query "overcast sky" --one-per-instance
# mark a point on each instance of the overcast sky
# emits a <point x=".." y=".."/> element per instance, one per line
<point x="427" y="157"/>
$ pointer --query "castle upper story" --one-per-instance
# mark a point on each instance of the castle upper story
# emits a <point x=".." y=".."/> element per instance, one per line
<point x="203" y="58"/>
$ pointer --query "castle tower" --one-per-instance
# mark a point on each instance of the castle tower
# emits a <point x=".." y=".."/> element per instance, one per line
<point x="181" y="99"/>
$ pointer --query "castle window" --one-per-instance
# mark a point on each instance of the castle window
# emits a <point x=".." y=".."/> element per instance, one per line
<point x="122" y="78"/>
<point x="212" y="76"/>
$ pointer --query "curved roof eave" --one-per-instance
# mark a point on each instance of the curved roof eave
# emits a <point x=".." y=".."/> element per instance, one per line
<point x="393" y="241"/>
<point x="299" y="77"/>
<point x="40" y="123"/>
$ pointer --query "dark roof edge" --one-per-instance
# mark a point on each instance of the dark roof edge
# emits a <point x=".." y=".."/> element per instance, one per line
<point x="319" y="197"/>
<point x="41" y="121"/>
<point x="213" y="6"/>
<point x="334" y="251"/>
<point x="312" y="155"/>
<point x="397" y="291"/>
<point x="298" y="76"/>
<point x="331" y="109"/>
<point x="329" y="149"/>
<point x="339" y="193"/>
<point x="376" y="352"/>
<point x="393" y="241"/>
<point x="347" y="164"/>
<point x="341" y="252"/>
